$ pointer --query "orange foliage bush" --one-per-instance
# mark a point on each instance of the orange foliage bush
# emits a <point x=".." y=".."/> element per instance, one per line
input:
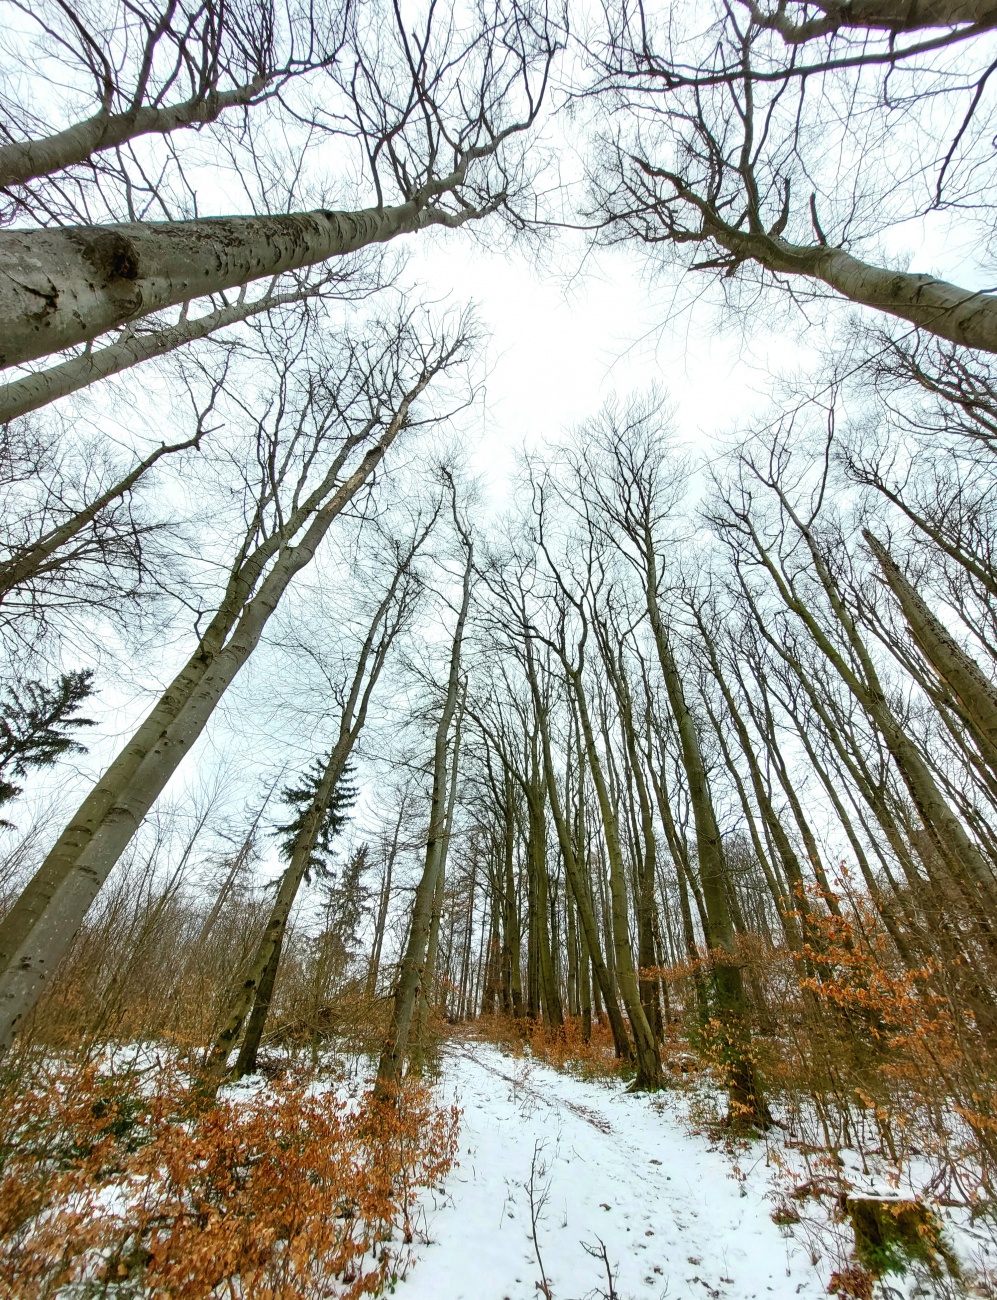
<point x="285" y="1194"/>
<point x="564" y="1047"/>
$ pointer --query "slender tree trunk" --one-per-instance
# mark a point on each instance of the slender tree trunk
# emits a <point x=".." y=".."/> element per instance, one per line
<point x="974" y="691"/>
<point x="576" y="875"/>
<point x="238" y="613"/>
<point x="412" y="968"/>
<point x="58" y="904"/>
<point x="249" y="1050"/>
<point x="21" y="396"/>
<point x="430" y="995"/>
<point x="370" y="988"/>
<point x="648" y="1062"/>
<point x="747" y="1102"/>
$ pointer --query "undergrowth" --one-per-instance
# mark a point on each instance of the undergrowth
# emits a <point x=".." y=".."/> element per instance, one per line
<point x="112" y="1185"/>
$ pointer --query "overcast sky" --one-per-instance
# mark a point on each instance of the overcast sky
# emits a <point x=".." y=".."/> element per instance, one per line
<point x="564" y="331"/>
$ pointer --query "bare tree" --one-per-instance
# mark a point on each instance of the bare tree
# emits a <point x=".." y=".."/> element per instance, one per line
<point x="252" y="994"/>
<point x="435" y="115"/>
<point x="731" y="160"/>
<point x="322" y="462"/>
<point x="410" y="988"/>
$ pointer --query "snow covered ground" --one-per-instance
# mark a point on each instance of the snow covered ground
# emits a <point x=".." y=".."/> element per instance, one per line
<point x="607" y="1168"/>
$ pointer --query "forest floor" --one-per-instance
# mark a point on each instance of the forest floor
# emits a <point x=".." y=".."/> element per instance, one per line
<point x="632" y="1199"/>
<point x="607" y="1167"/>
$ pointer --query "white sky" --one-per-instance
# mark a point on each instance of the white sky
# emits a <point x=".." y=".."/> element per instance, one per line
<point x="564" y="332"/>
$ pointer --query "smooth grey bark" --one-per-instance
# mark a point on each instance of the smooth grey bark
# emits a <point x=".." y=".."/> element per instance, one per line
<point x="747" y="1100"/>
<point x="429" y="979"/>
<point x="648" y="1060"/>
<point x="974" y="691"/>
<point x="21" y="396"/>
<point x="412" y="967"/>
<point x="27" y="160"/>
<point x="536" y="864"/>
<point x="575" y="871"/>
<point x="964" y="860"/>
<point x="256" y="990"/>
<point x="964" y="316"/>
<point x="60" y="901"/>
<point x="248" y="568"/>
<point x="510" y="911"/>
<point x="645" y="847"/>
<point x="62" y="287"/>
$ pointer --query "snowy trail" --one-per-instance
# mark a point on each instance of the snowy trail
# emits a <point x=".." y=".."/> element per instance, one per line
<point x="620" y="1168"/>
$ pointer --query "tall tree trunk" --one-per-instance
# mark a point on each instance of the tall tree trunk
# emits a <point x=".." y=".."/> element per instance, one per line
<point x="575" y="871"/>
<point x="370" y="988"/>
<point x="430" y="997"/>
<point x="974" y="691"/>
<point x="412" y="969"/>
<point x="21" y="396"/>
<point x="232" y="632"/>
<point x="61" y="287"/>
<point x="648" y="1061"/>
<point x="747" y="1101"/>
<point x="59" y="899"/>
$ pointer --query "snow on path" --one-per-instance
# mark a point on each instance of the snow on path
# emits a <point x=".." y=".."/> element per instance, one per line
<point x="621" y="1168"/>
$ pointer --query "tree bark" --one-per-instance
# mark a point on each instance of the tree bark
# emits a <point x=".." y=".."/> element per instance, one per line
<point x="21" y="396"/>
<point x="412" y="968"/>
<point x="973" y="689"/>
<point x="59" y="898"/>
<point x="62" y="287"/>
<point x="27" y="160"/>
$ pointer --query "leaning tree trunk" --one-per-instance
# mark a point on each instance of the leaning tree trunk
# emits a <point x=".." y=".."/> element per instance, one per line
<point x="58" y="910"/>
<point x="61" y="287"/>
<point x="113" y="786"/>
<point x="967" y="317"/>
<point x="974" y="691"/>
<point x="42" y="555"/>
<point x="257" y="988"/>
<point x="370" y="988"/>
<point x="21" y="396"/>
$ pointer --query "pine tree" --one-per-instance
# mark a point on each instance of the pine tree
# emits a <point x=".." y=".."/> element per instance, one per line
<point x="34" y="723"/>
<point x="334" y="818"/>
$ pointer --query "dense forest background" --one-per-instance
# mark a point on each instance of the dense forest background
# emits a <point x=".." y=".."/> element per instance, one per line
<point x="498" y="529"/>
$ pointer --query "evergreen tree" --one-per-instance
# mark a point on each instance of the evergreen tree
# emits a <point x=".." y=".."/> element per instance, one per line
<point x="346" y="902"/>
<point x="334" y="817"/>
<point x="35" y="720"/>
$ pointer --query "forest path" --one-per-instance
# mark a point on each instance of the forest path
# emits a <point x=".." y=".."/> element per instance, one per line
<point x="619" y="1168"/>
